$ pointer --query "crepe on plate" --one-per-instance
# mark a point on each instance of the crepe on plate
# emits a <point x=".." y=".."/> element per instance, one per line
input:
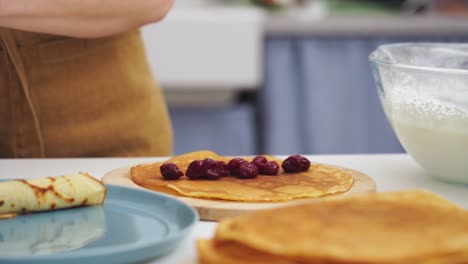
<point x="319" y="180"/>
<point x="399" y="227"/>
<point x="22" y="196"/>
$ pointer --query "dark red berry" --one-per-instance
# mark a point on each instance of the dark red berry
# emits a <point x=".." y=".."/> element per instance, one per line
<point x="207" y="169"/>
<point x="296" y="163"/>
<point x="270" y="168"/>
<point x="223" y="167"/>
<point x="259" y="161"/>
<point x="234" y="166"/>
<point x="215" y="170"/>
<point x="207" y="162"/>
<point x="248" y="170"/>
<point x="170" y="171"/>
<point x="212" y="174"/>
<point x="195" y="170"/>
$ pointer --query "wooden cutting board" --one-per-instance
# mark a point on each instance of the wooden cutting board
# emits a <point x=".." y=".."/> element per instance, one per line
<point x="215" y="210"/>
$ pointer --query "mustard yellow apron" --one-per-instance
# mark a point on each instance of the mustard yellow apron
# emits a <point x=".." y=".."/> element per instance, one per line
<point x="67" y="97"/>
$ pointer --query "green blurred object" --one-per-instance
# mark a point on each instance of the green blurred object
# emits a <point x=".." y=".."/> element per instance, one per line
<point x="268" y="4"/>
<point x="363" y="6"/>
<point x="337" y="6"/>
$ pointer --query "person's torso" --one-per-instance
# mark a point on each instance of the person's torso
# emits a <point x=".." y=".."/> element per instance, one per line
<point x="91" y="97"/>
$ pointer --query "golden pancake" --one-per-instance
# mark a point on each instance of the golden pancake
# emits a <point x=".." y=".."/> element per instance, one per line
<point x="23" y="196"/>
<point x="230" y="252"/>
<point x="458" y="258"/>
<point x="398" y="227"/>
<point x="319" y="180"/>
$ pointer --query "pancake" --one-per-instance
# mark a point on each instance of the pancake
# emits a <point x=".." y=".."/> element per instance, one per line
<point x="318" y="181"/>
<point x="399" y="227"/>
<point x="456" y="258"/>
<point x="23" y="196"/>
<point x="230" y="252"/>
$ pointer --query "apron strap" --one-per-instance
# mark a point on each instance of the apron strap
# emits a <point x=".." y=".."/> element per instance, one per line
<point x="11" y="49"/>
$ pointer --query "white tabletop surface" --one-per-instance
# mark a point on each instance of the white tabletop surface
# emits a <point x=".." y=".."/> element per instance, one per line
<point x="390" y="172"/>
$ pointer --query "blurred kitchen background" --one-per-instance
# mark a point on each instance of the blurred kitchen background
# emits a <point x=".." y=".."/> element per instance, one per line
<point x="286" y="76"/>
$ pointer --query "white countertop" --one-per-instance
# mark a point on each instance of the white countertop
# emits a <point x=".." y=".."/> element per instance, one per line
<point x="390" y="172"/>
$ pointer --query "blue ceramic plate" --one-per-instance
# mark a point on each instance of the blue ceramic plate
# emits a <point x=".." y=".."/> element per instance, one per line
<point x="132" y="226"/>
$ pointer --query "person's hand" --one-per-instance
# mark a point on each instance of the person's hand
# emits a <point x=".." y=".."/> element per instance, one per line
<point x="81" y="18"/>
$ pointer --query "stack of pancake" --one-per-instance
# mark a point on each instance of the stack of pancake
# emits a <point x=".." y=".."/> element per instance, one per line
<point x="398" y="227"/>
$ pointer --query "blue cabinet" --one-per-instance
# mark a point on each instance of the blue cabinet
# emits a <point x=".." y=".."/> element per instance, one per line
<point x="227" y="130"/>
<point x="319" y="96"/>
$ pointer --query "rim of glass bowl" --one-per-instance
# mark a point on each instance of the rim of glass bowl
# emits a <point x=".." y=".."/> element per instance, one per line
<point x="380" y="61"/>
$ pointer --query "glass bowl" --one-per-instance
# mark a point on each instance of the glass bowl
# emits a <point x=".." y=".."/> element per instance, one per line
<point x="423" y="88"/>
